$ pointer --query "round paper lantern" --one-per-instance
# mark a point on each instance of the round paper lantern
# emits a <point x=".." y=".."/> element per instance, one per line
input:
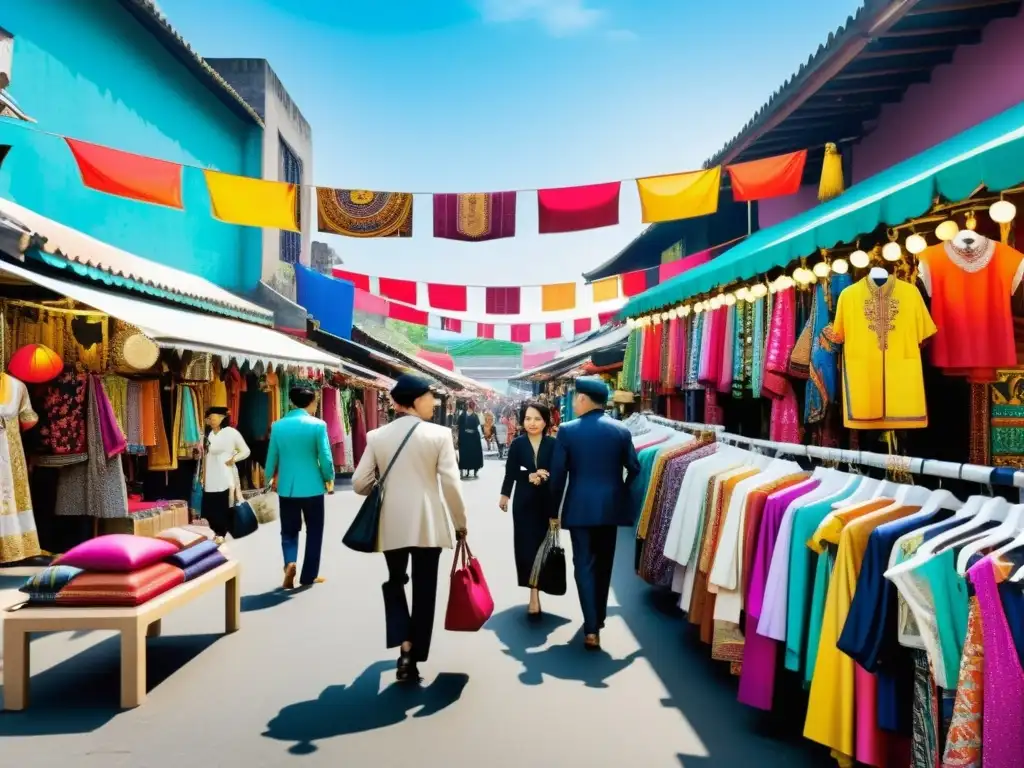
<point x="35" y="364"/>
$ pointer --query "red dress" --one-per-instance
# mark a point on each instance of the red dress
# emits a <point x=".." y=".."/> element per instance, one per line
<point x="971" y="290"/>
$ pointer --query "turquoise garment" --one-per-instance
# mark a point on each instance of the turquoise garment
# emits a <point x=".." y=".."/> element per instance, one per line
<point x="822" y="578"/>
<point x="757" y="372"/>
<point x="801" y="586"/>
<point x="950" y="601"/>
<point x="739" y="346"/>
<point x="638" y="490"/>
<point x="190" y="434"/>
<point x="693" y="351"/>
<point x="300" y="455"/>
<point x="824" y="369"/>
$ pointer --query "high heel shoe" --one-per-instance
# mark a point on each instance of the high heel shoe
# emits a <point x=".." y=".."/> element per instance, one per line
<point x="407" y="671"/>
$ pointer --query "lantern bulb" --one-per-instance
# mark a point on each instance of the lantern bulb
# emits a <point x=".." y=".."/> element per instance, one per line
<point x="759" y="291"/>
<point x="947" y="230"/>
<point x="859" y="259"/>
<point x="730" y="300"/>
<point x="892" y="252"/>
<point x="821" y="269"/>
<point x="630" y="323"/>
<point x="1002" y="212"/>
<point x="915" y="244"/>
<point x="684" y="310"/>
<point x="840" y="266"/>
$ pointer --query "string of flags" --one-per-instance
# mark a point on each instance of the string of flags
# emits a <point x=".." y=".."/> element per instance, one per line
<point x="467" y="217"/>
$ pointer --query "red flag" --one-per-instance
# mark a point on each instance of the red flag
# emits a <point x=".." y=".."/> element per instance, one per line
<point x="361" y="282"/>
<point x="502" y="301"/>
<point x="127" y="175"/>
<point x="406" y="314"/>
<point x="451" y="324"/>
<point x="634" y="283"/>
<point x="451" y="297"/>
<point x="485" y="330"/>
<point x="553" y="331"/>
<point x="571" y="209"/>
<point x="581" y="325"/>
<point x="399" y="290"/>
<point x="521" y="333"/>
<point x="606" y="317"/>
<point x="674" y="268"/>
<point x="768" y="177"/>
<point x="367" y="302"/>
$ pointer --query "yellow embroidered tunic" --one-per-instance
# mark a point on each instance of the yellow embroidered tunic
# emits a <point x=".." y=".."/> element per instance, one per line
<point x="881" y="328"/>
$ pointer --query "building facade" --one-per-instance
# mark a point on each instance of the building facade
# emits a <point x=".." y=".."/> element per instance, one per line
<point x="116" y="73"/>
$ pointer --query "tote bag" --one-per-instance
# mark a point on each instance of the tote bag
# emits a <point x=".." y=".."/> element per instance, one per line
<point x="362" y="534"/>
<point x="549" y="570"/>
<point x="470" y="604"/>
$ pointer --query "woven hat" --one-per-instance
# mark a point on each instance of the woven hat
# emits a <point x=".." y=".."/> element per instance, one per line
<point x="138" y="351"/>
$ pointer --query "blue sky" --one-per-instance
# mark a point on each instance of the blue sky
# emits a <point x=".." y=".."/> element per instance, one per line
<point x="490" y="95"/>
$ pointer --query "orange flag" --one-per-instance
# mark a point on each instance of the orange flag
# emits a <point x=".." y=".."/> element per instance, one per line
<point x="769" y="177"/>
<point x="557" y="296"/>
<point x="126" y="175"/>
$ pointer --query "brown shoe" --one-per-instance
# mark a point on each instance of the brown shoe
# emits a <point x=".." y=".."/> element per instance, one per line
<point x="592" y="642"/>
<point x="289" y="576"/>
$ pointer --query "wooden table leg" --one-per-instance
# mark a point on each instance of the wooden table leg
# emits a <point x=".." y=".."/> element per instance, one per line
<point x="232" y="605"/>
<point x="133" y="666"/>
<point x="155" y="629"/>
<point x="16" y="667"/>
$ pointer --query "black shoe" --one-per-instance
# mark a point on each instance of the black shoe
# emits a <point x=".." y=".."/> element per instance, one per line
<point x="406" y="668"/>
<point x="476" y="474"/>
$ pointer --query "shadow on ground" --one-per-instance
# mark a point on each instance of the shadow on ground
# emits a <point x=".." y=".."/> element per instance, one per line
<point x="703" y="689"/>
<point x="365" y="707"/>
<point x="83" y="693"/>
<point x="522" y="638"/>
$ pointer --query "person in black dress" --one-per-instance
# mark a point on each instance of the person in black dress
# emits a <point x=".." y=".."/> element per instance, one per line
<point x="470" y="445"/>
<point x="528" y="468"/>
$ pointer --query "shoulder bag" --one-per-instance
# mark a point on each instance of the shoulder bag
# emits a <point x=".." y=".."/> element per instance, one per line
<point x="362" y="534"/>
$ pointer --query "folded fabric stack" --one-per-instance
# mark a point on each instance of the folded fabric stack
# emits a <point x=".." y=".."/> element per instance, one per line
<point x="197" y="553"/>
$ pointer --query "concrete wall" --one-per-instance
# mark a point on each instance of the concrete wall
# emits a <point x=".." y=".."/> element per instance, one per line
<point x="89" y="70"/>
<point x="257" y="83"/>
<point x="980" y="82"/>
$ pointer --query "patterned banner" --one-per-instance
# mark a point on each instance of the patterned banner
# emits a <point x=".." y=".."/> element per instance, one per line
<point x="361" y="213"/>
<point x="475" y="217"/>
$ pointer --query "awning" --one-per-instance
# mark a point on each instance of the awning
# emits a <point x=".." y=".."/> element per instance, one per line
<point x="174" y="328"/>
<point x="990" y="154"/>
<point x="570" y="358"/>
<point x="66" y="247"/>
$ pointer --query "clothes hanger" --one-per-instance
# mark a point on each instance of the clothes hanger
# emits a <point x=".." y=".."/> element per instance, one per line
<point x="879" y="275"/>
<point x="865" y="492"/>
<point x="885" y="489"/>
<point x="1010" y="528"/>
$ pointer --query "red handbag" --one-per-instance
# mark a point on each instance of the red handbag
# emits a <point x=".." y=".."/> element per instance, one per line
<point x="470" y="604"/>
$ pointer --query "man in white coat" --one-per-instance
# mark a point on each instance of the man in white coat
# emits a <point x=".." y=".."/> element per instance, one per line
<point x="413" y="521"/>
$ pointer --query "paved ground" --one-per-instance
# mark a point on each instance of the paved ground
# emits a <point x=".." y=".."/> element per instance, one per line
<point x="307" y="682"/>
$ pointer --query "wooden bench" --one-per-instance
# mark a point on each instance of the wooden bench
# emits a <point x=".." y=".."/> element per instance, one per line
<point x="134" y="624"/>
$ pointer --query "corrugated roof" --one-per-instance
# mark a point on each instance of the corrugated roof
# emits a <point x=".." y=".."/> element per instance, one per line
<point x="485" y="348"/>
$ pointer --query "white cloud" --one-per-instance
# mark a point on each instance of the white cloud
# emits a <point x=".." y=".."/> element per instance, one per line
<point x="623" y="35"/>
<point x="558" y="17"/>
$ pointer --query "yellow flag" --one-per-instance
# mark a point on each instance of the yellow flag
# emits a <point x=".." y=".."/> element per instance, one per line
<point x="557" y="296"/>
<point x="606" y="290"/>
<point x="680" y="195"/>
<point x="252" y="202"/>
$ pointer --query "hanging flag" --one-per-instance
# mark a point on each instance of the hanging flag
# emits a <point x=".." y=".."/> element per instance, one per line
<point x="440" y="359"/>
<point x="572" y="209"/>
<point x="485" y="330"/>
<point x="451" y="324"/>
<point x="679" y="195"/>
<point x="581" y="325"/>
<point x="253" y="202"/>
<point x="361" y="282"/>
<point x="4" y="149"/>
<point x="442" y="296"/>
<point x="476" y="216"/>
<point x="328" y="300"/>
<point x="606" y="289"/>
<point x="361" y="213"/>
<point x="635" y="282"/>
<point x="502" y="301"/>
<point x="399" y="290"/>
<point x="668" y="271"/>
<point x="768" y="177"/>
<point x="553" y="331"/>
<point x="406" y="314"/>
<point x="606" y="317"/>
<point x="367" y="302"/>
<point x="521" y="333"/>
<point x="557" y="296"/>
<point x="127" y="175"/>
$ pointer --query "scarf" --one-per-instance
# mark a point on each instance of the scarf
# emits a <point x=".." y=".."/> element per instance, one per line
<point x="824" y="371"/>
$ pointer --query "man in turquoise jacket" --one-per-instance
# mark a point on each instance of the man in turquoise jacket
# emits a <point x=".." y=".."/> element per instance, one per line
<point x="300" y="466"/>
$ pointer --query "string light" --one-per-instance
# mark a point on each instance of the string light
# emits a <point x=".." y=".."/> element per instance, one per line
<point x="821" y="269"/>
<point x="684" y="310"/>
<point x="840" y="266"/>
<point x="915" y="244"/>
<point x="892" y="252"/>
<point x="730" y="299"/>
<point x="947" y="230"/>
<point x="630" y="323"/>
<point x="859" y="259"/>
<point x="1002" y="212"/>
<point x="759" y="291"/>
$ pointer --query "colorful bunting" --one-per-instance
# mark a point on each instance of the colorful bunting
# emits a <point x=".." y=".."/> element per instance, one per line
<point x="253" y="202"/>
<point x="450" y="297"/>
<point x="361" y="213"/>
<point x="373" y="305"/>
<point x="406" y="313"/>
<point x="606" y="290"/>
<point x="553" y="331"/>
<point x="485" y="330"/>
<point x="361" y="282"/>
<point x="399" y="290"/>
<point x="674" y="268"/>
<point x="451" y="324"/>
<point x="605" y="317"/>
<point x="475" y="217"/>
<point x="127" y="175"/>
<point x="521" y="333"/>
<point x="581" y="325"/>
<point x="679" y="195"/>
<point x="769" y="177"/>
<point x="573" y="209"/>
<point x="634" y="283"/>
<point x="557" y="296"/>
<point x="502" y="301"/>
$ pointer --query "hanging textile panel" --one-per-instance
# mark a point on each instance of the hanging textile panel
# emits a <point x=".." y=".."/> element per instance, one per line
<point x="127" y="175"/>
<point x="361" y="282"/>
<point x="367" y="302"/>
<point x="485" y="330"/>
<point x="679" y="195"/>
<point x="636" y="282"/>
<point x="605" y="290"/>
<point x="253" y="202"/>
<point x="573" y="209"/>
<point x="451" y="324"/>
<point x="361" y="213"/>
<point x="399" y="290"/>
<point x="672" y="269"/>
<point x="442" y="296"/>
<point x="1007" y="419"/>
<point x="476" y="216"/>
<point x="553" y="331"/>
<point x="769" y="177"/>
<point x="557" y="296"/>
<point x="406" y="314"/>
<point x="521" y="333"/>
<point x="502" y="301"/>
<point x="582" y="325"/>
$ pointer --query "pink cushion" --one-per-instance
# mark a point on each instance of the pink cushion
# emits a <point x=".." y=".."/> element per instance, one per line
<point x="118" y="553"/>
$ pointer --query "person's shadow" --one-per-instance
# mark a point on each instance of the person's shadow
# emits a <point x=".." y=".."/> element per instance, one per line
<point x="346" y="709"/>
<point x="563" y="662"/>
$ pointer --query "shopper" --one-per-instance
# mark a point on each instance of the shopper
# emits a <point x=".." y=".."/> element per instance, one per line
<point x="413" y="524"/>
<point x="300" y="466"/>
<point x="501" y="434"/>
<point x="528" y="469"/>
<point x="471" y="450"/>
<point x="594" y="450"/>
<point x="221" y="485"/>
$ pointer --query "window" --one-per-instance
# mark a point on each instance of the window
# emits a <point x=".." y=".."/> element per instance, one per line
<point x="290" y="170"/>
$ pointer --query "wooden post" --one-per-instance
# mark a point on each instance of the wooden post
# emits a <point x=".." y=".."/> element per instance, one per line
<point x="16" y="667"/>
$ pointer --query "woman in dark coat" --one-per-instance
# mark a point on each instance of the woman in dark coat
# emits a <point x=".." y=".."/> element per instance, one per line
<point x="528" y="468"/>
<point x="471" y="449"/>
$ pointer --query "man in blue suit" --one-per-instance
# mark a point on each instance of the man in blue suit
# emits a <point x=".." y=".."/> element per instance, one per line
<point x="597" y="461"/>
<point x="300" y="466"/>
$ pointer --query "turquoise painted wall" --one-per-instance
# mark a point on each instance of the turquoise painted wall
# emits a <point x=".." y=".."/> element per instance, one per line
<point x="90" y="71"/>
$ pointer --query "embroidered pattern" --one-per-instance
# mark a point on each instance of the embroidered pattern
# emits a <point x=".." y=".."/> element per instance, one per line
<point x="474" y="214"/>
<point x="973" y="258"/>
<point x="880" y="310"/>
<point x="361" y="213"/>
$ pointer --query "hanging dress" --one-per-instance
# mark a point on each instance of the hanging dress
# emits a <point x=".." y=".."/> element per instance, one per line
<point x="18" y="537"/>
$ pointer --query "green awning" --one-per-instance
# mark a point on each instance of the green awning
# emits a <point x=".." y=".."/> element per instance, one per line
<point x="989" y="154"/>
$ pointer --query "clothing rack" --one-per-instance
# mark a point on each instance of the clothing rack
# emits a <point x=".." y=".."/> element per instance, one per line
<point x="973" y="473"/>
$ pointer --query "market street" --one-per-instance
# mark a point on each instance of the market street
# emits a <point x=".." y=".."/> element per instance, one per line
<point x="307" y="680"/>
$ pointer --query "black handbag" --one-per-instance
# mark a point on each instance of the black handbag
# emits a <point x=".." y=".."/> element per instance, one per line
<point x="243" y="520"/>
<point x="549" y="573"/>
<point x="362" y="534"/>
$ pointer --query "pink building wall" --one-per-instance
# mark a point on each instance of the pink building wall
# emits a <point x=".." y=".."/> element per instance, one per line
<point x="981" y="81"/>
